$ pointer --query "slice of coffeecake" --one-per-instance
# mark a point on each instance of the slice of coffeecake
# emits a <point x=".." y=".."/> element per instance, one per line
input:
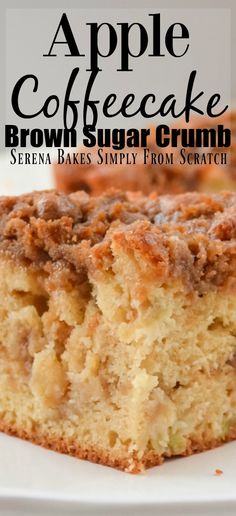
<point x="118" y="325"/>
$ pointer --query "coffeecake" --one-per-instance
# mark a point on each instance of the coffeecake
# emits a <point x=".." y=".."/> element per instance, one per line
<point x="118" y="325"/>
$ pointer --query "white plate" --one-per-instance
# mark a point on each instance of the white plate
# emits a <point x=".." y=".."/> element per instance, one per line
<point x="18" y="179"/>
<point x="38" y="481"/>
<point x="34" y="481"/>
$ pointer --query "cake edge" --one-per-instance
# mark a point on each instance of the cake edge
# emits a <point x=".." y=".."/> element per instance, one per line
<point x="102" y="457"/>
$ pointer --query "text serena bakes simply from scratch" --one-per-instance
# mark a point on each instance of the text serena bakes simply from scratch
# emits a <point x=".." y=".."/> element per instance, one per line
<point x="84" y="112"/>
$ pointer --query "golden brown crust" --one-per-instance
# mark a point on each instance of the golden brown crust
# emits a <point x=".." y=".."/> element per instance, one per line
<point x="190" y="236"/>
<point x="61" y="445"/>
<point x="129" y="464"/>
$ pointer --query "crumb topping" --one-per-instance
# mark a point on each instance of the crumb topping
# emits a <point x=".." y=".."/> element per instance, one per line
<point x="193" y="234"/>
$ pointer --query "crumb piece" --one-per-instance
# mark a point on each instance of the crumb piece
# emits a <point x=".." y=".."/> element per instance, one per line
<point x="218" y="472"/>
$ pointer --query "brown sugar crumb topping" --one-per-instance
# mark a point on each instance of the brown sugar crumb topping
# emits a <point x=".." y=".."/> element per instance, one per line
<point x="193" y="233"/>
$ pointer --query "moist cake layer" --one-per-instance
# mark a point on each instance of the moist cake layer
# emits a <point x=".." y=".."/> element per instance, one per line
<point x="117" y="324"/>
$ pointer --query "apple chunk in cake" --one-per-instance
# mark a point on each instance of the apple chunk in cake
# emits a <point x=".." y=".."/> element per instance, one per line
<point x="117" y="324"/>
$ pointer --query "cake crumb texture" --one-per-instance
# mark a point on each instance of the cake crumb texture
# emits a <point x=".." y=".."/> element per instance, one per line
<point x="117" y="324"/>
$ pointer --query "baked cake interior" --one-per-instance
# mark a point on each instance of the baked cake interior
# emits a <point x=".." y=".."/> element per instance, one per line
<point x="120" y="365"/>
